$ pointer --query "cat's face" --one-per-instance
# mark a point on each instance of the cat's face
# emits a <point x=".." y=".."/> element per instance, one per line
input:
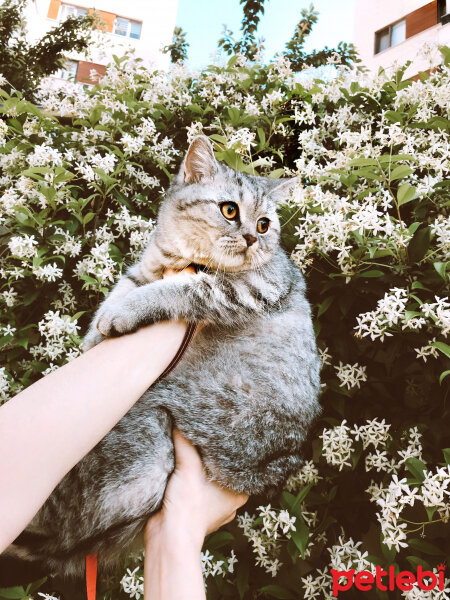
<point x="218" y="217"/>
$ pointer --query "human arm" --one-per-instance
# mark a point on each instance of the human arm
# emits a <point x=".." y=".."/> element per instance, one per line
<point x="192" y="508"/>
<point x="46" y="429"/>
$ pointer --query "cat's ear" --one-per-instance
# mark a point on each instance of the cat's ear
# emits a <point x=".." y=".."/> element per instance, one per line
<point x="281" y="189"/>
<point x="199" y="164"/>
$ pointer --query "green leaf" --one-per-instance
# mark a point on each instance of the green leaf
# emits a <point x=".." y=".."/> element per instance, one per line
<point x="33" y="587"/>
<point x="430" y="510"/>
<point x="277" y="591"/>
<point x="413" y="227"/>
<point x="233" y="60"/>
<point x="107" y="180"/>
<point x="400" y="172"/>
<point x="234" y="114"/>
<point x="388" y="553"/>
<point x="392" y="158"/>
<point x="414" y="561"/>
<point x="444" y="348"/>
<point x="325" y="305"/>
<point x="394" y="117"/>
<point x="425" y="547"/>
<point x="371" y="273"/>
<point x="276" y="174"/>
<point x="87" y="218"/>
<point x="368" y="173"/>
<point x="405" y="193"/>
<point x="419" y="244"/>
<point x="416" y="467"/>
<point x="443" y="375"/>
<point x="446" y="451"/>
<point x="262" y="138"/>
<point x="363" y="162"/>
<point x="441" y="268"/>
<point x="301" y="535"/>
<point x="12" y="593"/>
<point x="242" y="579"/>
<point x="410" y="314"/>
<point x="218" y="540"/>
<point x="419" y="286"/>
<point x="293" y="503"/>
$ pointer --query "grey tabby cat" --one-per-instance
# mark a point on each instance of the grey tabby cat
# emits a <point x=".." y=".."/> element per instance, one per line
<point x="245" y="393"/>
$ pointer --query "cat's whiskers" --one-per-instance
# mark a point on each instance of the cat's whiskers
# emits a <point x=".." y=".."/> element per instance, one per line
<point x="218" y="266"/>
<point x="259" y="271"/>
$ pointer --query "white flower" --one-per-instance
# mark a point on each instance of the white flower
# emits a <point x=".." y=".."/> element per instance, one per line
<point x="49" y="272"/>
<point x="242" y="140"/>
<point x="5" y="384"/>
<point x="10" y="297"/>
<point x="390" y="310"/>
<point x="309" y="473"/>
<point x="211" y="566"/>
<point x="194" y="129"/>
<point x="105" y="163"/>
<point x="325" y="357"/>
<point x="7" y="329"/>
<point x="45" y="155"/>
<point x="3" y="129"/>
<point x="435" y="490"/>
<point x="351" y="375"/>
<point x="70" y="245"/>
<point x="337" y="445"/>
<point x="133" y="584"/>
<point x="23" y="246"/>
<point x="375" y="432"/>
<point x="132" y="144"/>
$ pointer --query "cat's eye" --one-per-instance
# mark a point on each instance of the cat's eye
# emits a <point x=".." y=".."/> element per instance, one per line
<point x="229" y="210"/>
<point x="263" y="225"/>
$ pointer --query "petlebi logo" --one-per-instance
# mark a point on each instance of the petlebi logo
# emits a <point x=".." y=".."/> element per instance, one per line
<point x="387" y="580"/>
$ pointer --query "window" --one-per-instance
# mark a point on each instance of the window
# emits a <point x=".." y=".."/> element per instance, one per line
<point x="127" y="28"/>
<point x="69" y="71"/>
<point x="390" y="36"/>
<point x="444" y="11"/>
<point x="68" y="10"/>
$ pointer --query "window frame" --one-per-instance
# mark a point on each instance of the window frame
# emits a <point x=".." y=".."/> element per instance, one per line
<point x="443" y="11"/>
<point x="389" y="28"/>
<point x="61" y="15"/>
<point x="129" y="23"/>
<point x="71" y="74"/>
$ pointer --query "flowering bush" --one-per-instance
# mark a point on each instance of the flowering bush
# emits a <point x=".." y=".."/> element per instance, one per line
<point x="368" y="224"/>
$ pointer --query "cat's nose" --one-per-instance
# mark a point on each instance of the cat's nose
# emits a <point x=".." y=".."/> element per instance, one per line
<point x="250" y="239"/>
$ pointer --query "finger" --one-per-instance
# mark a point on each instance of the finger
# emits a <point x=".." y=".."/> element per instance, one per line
<point x="241" y="499"/>
<point x="186" y="456"/>
<point x="230" y="518"/>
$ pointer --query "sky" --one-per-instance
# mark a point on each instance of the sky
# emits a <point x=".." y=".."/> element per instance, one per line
<point x="203" y="21"/>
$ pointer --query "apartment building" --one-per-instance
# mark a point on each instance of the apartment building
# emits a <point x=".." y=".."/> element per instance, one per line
<point x="143" y="25"/>
<point x="390" y="31"/>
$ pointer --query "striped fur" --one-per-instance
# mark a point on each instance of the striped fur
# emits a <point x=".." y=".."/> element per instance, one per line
<point x="245" y="392"/>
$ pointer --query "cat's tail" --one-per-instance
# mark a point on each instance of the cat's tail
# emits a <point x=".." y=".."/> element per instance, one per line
<point x="32" y="556"/>
<point x="19" y="565"/>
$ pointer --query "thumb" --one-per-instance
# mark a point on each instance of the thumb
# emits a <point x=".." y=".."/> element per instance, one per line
<point x="186" y="456"/>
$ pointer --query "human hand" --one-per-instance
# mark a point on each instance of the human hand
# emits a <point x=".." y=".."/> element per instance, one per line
<point x="192" y="505"/>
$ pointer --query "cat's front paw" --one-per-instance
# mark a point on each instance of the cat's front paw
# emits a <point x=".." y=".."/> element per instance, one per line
<point x="91" y="339"/>
<point x="114" y="322"/>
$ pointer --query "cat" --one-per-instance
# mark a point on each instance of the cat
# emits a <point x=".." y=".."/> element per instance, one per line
<point x="245" y="392"/>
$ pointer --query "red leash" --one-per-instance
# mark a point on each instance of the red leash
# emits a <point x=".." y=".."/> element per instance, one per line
<point x="91" y="575"/>
<point x="92" y="559"/>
